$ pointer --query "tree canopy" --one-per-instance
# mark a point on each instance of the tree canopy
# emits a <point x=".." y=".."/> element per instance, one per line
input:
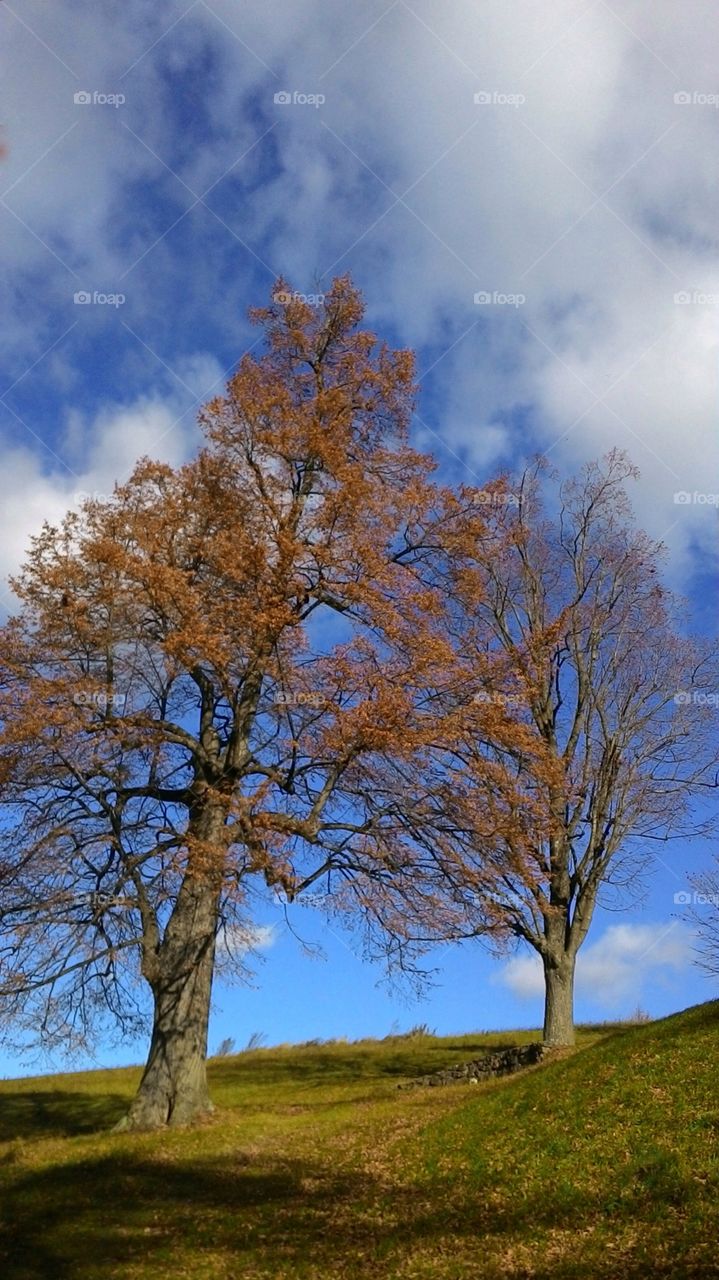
<point x="298" y="660"/>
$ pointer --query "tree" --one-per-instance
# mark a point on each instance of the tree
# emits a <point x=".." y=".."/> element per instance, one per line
<point x="702" y="908"/>
<point x="210" y="677"/>
<point x="612" y="697"/>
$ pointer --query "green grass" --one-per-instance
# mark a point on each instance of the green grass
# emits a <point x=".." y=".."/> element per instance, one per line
<point x="602" y="1163"/>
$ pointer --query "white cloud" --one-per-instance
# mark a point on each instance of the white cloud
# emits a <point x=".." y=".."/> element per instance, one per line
<point x="94" y="453"/>
<point x="627" y="956"/>
<point x="514" y="199"/>
<point x="237" y="940"/>
<point x="616" y="970"/>
<point x="594" y="198"/>
<point x="523" y="976"/>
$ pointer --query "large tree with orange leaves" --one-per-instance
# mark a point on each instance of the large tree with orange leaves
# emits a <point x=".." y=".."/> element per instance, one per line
<point x="222" y="673"/>
<point x="554" y="591"/>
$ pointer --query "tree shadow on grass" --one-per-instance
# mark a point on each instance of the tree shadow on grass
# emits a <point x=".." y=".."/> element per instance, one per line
<point x="41" y="1113"/>
<point x="236" y="1216"/>
<point x="95" y="1218"/>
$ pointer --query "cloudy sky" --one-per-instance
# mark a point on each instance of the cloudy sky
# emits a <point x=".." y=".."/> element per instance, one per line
<point x="523" y="189"/>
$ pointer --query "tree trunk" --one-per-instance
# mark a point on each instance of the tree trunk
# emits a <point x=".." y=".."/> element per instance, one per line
<point x="559" y="1000"/>
<point x="173" y="1090"/>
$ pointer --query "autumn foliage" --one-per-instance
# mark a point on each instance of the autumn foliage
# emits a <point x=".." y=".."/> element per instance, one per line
<point x="212" y="684"/>
<point x="297" y="661"/>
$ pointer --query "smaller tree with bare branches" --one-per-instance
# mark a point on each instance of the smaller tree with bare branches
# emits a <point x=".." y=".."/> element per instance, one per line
<point x="702" y="913"/>
<point x="613" y="698"/>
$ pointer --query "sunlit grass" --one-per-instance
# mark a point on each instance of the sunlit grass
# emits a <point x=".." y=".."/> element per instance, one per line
<point x="315" y="1165"/>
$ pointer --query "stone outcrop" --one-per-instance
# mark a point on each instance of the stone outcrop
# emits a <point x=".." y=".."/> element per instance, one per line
<point x="503" y="1062"/>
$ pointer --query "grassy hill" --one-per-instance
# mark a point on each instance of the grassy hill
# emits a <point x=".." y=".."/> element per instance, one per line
<point x="603" y="1163"/>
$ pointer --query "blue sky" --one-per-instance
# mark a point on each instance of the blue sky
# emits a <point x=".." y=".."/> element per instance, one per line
<point x="556" y="157"/>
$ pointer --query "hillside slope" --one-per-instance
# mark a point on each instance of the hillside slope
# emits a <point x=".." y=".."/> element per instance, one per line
<point x="605" y="1163"/>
